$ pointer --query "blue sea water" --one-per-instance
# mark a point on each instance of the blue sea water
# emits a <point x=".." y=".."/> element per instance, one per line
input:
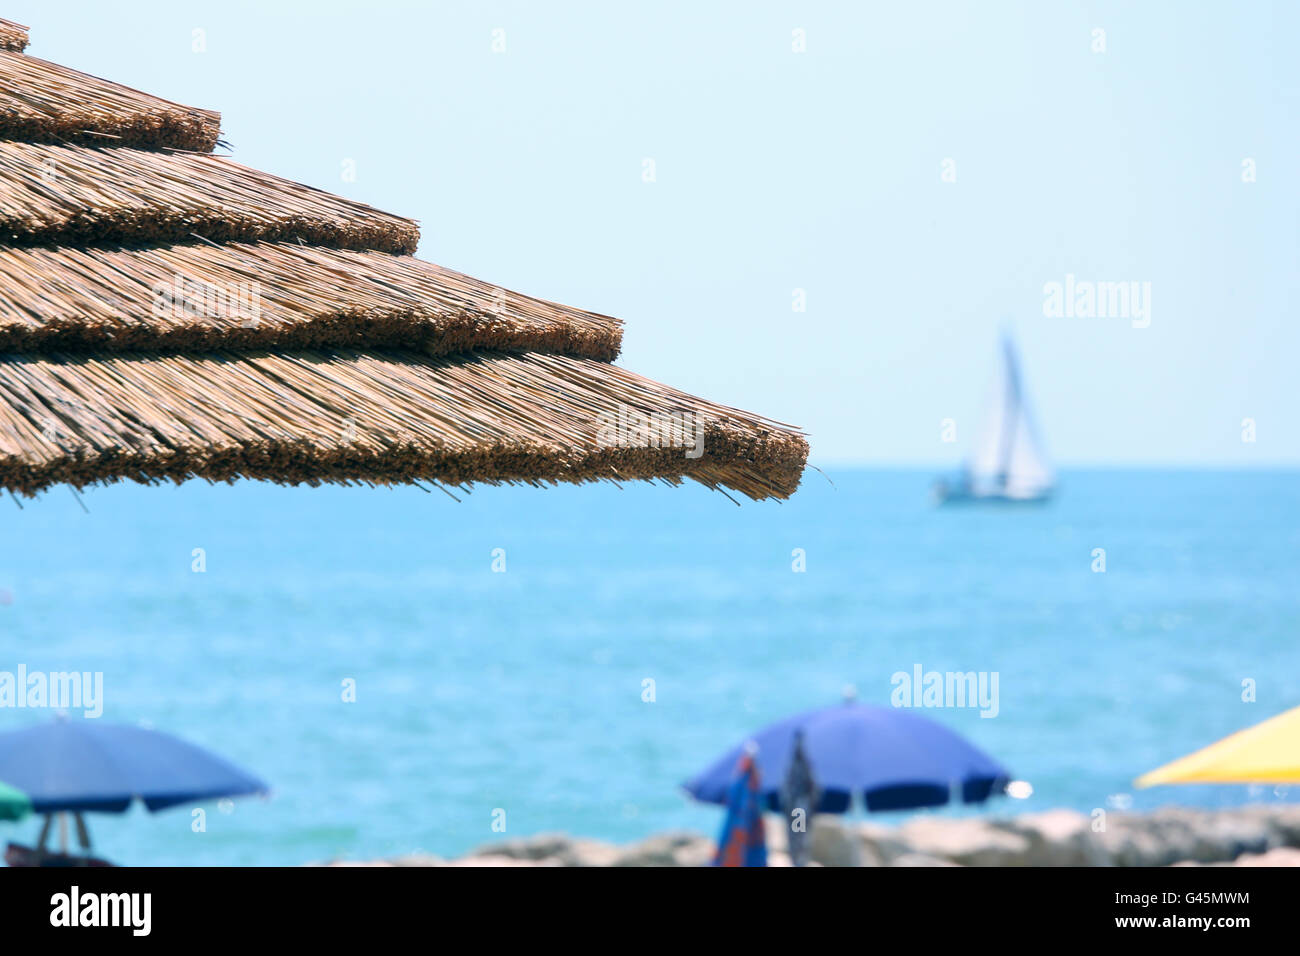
<point x="522" y="690"/>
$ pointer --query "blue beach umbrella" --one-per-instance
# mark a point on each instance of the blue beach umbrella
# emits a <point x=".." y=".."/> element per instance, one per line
<point x="67" y="767"/>
<point x="892" y="758"/>
<point x="78" y="765"/>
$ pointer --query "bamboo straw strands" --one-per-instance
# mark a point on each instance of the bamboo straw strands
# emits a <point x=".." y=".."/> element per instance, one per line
<point x="273" y="295"/>
<point x="166" y="314"/>
<point x="77" y="195"/>
<point x="13" y="36"/>
<point x="49" y="103"/>
<point x="378" y="416"/>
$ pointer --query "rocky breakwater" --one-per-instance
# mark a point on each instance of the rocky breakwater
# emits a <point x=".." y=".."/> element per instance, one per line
<point x="1243" y="836"/>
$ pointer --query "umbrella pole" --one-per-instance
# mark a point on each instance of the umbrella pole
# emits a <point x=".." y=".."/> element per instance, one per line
<point x="83" y="835"/>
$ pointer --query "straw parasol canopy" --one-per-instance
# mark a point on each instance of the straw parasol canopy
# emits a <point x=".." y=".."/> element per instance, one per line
<point x="167" y="314"/>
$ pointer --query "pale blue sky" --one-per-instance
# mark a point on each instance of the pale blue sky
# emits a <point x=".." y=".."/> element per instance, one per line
<point x="819" y="171"/>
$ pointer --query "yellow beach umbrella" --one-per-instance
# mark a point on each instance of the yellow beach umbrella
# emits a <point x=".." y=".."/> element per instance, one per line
<point x="1266" y="753"/>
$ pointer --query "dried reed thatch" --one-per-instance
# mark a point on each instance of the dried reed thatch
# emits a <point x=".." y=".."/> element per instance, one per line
<point x="168" y="314"/>
<point x="378" y="416"/>
<point x="78" y="195"/>
<point x="13" y="36"/>
<point x="47" y="103"/>
<point x="273" y="295"/>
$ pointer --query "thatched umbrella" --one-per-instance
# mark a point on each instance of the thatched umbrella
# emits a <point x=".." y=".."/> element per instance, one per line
<point x="167" y="314"/>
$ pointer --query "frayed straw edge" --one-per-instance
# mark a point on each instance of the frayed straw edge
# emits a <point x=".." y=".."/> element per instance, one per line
<point x="433" y="332"/>
<point x="760" y="467"/>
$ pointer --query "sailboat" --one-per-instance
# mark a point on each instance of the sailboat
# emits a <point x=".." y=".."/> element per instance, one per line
<point x="1008" y="463"/>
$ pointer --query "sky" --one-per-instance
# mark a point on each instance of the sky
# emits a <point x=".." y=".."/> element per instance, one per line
<point x="914" y="175"/>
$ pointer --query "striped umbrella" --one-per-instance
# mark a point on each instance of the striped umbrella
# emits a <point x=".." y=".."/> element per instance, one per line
<point x="742" y="842"/>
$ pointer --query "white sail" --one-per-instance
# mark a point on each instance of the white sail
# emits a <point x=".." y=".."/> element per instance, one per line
<point x="1007" y="459"/>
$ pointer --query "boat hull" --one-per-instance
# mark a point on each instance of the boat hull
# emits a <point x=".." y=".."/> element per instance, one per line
<point x="957" y="496"/>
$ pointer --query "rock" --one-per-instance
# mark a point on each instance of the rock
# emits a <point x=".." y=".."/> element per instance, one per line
<point x="880" y="846"/>
<point x="920" y="859"/>
<point x="593" y="853"/>
<point x="969" y="842"/>
<point x="1285" y="823"/>
<point x="1281" y="856"/>
<point x="1227" y="836"/>
<point x="357" y="863"/>
<point x="668" y="849"/>
<point x="1243" y="836"/>
<point x="1058" y="838"/>
<point x="496" y="859"/>
<point x="699" y="853"/>
<point x="831" y="843"/>
<point x="539" y="847"/>
<point x="1125" y="846"/>
<point x="1173" y="834"/>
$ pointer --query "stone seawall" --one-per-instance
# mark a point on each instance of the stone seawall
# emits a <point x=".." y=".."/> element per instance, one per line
<point x="1243" y="836"/>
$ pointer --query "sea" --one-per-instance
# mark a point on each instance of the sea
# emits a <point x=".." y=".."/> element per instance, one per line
<point x="416" y="674"/>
